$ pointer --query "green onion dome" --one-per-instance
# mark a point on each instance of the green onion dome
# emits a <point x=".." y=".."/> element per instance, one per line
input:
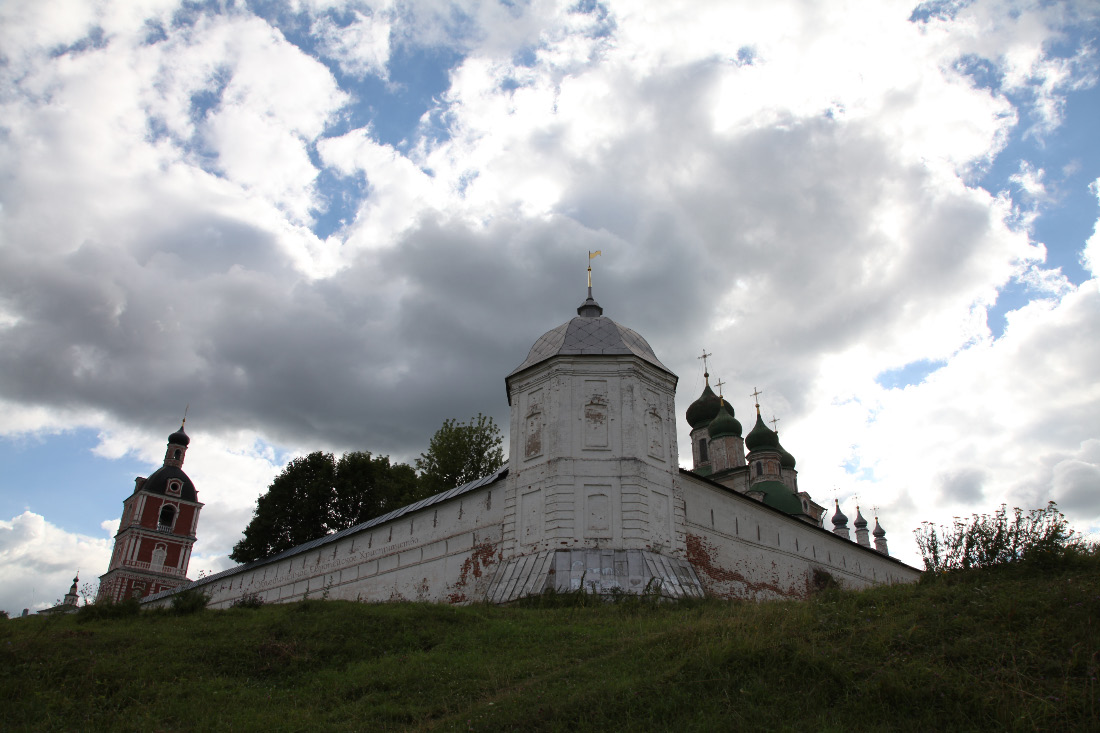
<point x="761" y="437"/>
<point x="725" y="423"/>
<point x="786" y="460"/>
<point x="779" y="496"/>
<point x="703" y="410"/>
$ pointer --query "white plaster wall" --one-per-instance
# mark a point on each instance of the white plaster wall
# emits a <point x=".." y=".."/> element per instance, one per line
<point x="741" y="549"/>
<point x="593" y="456"/>
<point x="446" y="552"/>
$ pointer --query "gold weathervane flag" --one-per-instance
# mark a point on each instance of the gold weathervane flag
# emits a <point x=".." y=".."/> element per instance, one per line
<point x="592" y="255"/>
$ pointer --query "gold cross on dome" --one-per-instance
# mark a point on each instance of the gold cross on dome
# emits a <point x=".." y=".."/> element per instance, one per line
<point x="773" y="421"/>
<point x="704" y="357"/>
<point x="719" y="384"/>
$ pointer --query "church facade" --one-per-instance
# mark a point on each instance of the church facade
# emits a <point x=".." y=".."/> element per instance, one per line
<point x="592" y="497"/>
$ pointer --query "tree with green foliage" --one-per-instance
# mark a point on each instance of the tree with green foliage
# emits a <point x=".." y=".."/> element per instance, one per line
<point x="460" y="452"/>
<point x="316" y="495"/>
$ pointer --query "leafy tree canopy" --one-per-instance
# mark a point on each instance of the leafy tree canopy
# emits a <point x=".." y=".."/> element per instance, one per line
<point x="460" y="452"/>
<point x="318" y="494"/>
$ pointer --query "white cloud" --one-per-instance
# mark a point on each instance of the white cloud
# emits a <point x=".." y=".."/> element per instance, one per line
<point x="399" y="191"/>
<point x="38" y="561"/>
<point x="360" y="47"/>
<point x="1008" y="421"/>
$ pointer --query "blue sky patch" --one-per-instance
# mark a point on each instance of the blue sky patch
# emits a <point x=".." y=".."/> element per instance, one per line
<point x="72" y="491"/>
<point x="417" y="78"/>
<point x="1013" y="296"/>
<point x="914" y="372"/>
<point x="94" y="40"/>
<point x="1070" y="161"/>
<point x="342" y="196"/>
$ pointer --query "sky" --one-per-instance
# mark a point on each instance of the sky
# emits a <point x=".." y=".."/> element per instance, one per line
<point x="326" y="225"/>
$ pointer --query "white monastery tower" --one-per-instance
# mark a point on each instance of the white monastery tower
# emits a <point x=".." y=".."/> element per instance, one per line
<point x="593" y="465"/>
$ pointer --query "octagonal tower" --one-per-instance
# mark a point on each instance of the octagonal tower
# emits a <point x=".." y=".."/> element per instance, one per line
<point x="592" y="498"/>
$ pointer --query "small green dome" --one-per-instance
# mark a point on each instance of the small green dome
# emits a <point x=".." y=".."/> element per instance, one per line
<point x="725" y="423"/>
<point x="777" y="495"/>
<point x="786" y="460"/>
<point x="761" y="437"/>
<point x="703" y="410"/>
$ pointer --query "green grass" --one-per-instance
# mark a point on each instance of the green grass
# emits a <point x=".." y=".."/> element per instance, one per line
<point x="1009" y="648"/>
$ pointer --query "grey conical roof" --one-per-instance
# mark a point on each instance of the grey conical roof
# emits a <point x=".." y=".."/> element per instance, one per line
<point x="861" y="523"/>
<point x="590" y="334"/>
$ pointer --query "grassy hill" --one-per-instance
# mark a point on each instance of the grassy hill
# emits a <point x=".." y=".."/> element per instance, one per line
<point x="1012" y="648"/>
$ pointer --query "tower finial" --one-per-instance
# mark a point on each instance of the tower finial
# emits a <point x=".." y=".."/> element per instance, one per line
<point x="592" y="255"/>
<point x="706" y="372"/>
<point x="719" y="384"/>
<point x="773" y="421"/>
<point x="756" y="396"/>
<point x="590" y="308"/>
<point x="184" y="421"/>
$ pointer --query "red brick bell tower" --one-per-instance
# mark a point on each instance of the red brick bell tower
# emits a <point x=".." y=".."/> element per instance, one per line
<point x="153" y="544"/>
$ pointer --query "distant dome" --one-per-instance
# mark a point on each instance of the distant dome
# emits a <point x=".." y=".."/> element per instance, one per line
<point x="179" y="437"/>
<point x="761" y="437"/>
<point x="779" y="496"/>
<point x="879" y="531"/>
<point x="839" y="520"/>
<point x="590" y="334"/>
<point x="703" y="410"/>
<point x="724" y="423"/>
<point x="860" y="522"/>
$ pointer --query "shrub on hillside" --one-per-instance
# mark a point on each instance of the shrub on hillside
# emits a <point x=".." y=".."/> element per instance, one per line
<point x="109" y="609"/>
<point x="1041" y="536"/>
<point x="188" y="601"/>
<point x="248" y="600"/>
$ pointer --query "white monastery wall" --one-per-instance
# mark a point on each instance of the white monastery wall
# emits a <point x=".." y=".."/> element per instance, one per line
<point x="444" y="552"/>
<point x="741" y="548"/>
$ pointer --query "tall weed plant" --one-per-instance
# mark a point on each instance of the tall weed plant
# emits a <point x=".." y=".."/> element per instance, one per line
<point x="1040" y="536"/>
